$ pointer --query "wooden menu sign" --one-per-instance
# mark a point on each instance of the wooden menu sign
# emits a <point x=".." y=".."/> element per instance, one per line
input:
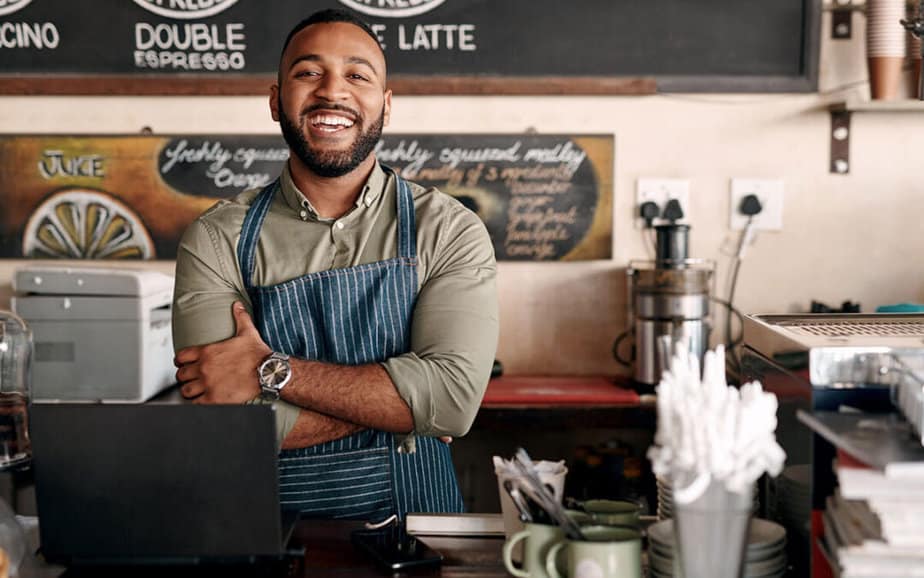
<point x="542" y="197"/>
<point x="432" y="46"/>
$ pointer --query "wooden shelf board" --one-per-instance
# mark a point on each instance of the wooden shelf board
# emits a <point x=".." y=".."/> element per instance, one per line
<point x="904" y="105"/>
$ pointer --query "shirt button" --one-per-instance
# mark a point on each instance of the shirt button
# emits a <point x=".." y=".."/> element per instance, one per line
<point x="303" y="215"/>
<point x="340" y="224"/>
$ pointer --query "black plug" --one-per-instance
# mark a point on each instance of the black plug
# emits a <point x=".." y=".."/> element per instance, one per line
<point x="750" y="205"/>
<point x="649" y="211"/>
<point x="672" y="211"/>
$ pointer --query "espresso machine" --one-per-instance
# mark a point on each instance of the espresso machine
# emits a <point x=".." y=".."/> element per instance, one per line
<point x="827" y="370"/>
<point x="668" y="304"/>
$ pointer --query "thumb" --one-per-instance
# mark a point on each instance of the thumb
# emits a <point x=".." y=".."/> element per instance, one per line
<point x="242" y="320"/>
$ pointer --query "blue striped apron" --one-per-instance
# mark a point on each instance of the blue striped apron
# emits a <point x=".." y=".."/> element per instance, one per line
<point x="350" y="316"/>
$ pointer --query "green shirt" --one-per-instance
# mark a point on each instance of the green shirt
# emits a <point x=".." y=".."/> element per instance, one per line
<point x="455" y="324"/>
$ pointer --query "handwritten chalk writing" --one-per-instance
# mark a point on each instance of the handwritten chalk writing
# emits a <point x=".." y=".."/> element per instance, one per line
<point x="437" y="36"/>
<point x="197" y="36"/>
<point x="411" y="153"/>
<point x="544" y="250"/>
<point x="561" y="153"/>
<point x="518" y="204"/>
<point x="54" y="163"/>
<point x="538" y="194"/>
<point x="225" y="177"/>
<point x="185" y="9"/>
<point x="379" y="30"/>
<point x="539" y="220"/>
<point x="217" y="157"/>
<point x="10" y="6"/>
<point x="189" y="60"/>
<point x="392" y="8"/>
<point x="527" y="188"/>
<point x="561" y="172"/>
<point x="208" y="152"/>
<point x="195" y="46"/>
<point x="25" y="35"/>
<point x="454" y="156"/>
<point x="248" y="156"/>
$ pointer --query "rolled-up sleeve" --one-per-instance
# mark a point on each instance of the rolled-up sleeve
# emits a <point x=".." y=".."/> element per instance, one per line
<point x="206" y="286"/>
<point x="453" y="333"/>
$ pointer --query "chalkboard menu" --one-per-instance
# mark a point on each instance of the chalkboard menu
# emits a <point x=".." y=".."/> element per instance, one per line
<point x="466" y="46"/>
<point x="542" y="197"/>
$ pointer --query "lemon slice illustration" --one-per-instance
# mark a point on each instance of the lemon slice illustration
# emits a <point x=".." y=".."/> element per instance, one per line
<point x="82" y="224"/>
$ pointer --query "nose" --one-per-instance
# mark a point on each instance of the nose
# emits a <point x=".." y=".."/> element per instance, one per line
<point x="332" y="88"/>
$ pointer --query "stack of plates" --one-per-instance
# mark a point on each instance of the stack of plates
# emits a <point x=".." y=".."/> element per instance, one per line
<point x="765" y="556"/>
<point x="666" y="500"/>
<point x="794" y="498"/>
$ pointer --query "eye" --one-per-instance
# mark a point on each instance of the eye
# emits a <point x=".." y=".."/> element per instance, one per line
<point x="305" y="73"/>
<point x="357" y="76"/>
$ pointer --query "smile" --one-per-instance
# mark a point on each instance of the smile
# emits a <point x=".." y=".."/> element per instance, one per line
<point x="330" y="122"/>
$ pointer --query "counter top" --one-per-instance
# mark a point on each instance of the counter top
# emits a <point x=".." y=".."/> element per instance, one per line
<point x="328" y="552"/>
<point x="546" y="391"/>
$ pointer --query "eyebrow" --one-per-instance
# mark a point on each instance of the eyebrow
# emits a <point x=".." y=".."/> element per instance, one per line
<point x="349" y="60"/>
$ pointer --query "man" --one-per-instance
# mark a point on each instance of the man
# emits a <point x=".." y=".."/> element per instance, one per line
<point x="390" y="327"/>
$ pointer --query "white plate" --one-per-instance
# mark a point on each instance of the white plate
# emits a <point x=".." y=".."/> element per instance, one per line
<point x="762" y="534"/>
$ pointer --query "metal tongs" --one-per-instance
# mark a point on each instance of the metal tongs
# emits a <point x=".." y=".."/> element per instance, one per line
<point x="528" y="483"/>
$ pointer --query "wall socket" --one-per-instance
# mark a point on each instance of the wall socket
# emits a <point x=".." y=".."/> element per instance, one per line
<point x="660" y="191"/>
<point x="770" y="193"/>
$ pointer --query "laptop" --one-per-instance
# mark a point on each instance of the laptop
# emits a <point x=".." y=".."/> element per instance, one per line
<point x="157" y="484"/>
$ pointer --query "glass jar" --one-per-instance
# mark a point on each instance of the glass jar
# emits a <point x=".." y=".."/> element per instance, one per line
<point x="15" y="387"/>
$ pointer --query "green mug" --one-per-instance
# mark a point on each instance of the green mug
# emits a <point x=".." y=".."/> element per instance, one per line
<point x="620" y="512"/>
<point x="607" y="552"/>
<point x="538" y="539"/>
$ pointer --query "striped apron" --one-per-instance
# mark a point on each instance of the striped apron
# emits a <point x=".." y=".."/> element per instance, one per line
<point x="350" y="316"/>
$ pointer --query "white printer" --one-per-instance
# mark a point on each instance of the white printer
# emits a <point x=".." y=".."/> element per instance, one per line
<point x="100" y="334"/>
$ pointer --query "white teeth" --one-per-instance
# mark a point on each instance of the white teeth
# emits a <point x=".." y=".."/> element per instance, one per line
<point x="331" y="120"/>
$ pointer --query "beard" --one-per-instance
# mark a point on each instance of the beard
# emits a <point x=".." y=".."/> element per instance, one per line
<point x="336" y="163"/>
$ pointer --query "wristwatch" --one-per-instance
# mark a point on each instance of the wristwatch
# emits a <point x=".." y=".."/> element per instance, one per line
<point x="274" y="372"/>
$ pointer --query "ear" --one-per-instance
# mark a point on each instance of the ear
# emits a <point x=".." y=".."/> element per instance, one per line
<point x="274" y="102"/>
<point x="386" y="113"/>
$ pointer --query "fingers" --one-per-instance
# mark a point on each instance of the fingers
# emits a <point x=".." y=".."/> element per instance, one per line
<point x="188" y="372"/>
<point x="192" y="389"/>
<point x="446" y="439"/>
<point x="242" y="320"/>
<point x="188" y="355"/>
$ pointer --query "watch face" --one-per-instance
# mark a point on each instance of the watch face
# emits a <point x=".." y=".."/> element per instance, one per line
<point x="274" y="372"/>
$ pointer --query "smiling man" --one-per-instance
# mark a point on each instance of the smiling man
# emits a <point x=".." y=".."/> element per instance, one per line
<point x="361" y="305"/>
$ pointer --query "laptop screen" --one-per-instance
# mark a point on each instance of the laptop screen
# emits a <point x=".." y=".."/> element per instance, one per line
<point x="151" y="483"/>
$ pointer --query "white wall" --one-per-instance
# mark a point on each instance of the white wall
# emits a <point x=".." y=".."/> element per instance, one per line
<point x="844" y="237"/>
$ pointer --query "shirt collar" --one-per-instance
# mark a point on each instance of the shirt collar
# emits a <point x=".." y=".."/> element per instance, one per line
<point x="297" y="201"/>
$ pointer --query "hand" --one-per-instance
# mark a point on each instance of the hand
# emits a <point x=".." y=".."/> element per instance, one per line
<point x="226" y="371"/>
<point x="446" y="439"/>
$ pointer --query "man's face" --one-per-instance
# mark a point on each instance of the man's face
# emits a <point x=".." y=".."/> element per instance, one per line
<point x="331" y="102"/>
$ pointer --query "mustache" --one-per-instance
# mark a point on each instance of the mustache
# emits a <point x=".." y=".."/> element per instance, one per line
<point x="331" y="107"/>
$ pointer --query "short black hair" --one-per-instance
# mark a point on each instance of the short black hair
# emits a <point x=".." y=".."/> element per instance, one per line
<point x="327" y="16"/>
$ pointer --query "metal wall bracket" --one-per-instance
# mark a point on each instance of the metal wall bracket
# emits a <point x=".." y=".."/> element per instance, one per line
<point x="840" y="142"/>
<point x="842" y="22"/>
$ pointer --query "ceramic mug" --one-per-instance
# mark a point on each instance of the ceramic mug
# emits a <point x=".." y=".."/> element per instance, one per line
<point x="621" y="512"/>
<point x="607" y="552"/>
<point x="538" y="539"/>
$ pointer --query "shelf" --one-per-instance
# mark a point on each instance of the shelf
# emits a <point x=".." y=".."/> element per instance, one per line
<point x="903" y="105"/>
<point x="840" y="124"/>
<point x="880" y="441"/>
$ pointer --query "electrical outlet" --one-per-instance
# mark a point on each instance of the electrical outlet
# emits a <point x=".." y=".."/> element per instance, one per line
<point x="660" y="191"/>
<point x="770" y="194"/>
